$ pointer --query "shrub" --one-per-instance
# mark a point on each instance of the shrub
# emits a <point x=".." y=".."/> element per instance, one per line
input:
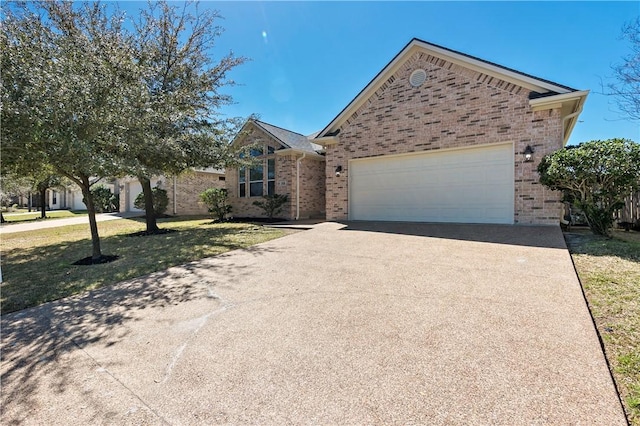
<point x="160" y="201"/>
<point x="216" y="201"/>
<point x="272" y="204"/>
<point x="597" y="175"/>
<point x="103" y="199"/>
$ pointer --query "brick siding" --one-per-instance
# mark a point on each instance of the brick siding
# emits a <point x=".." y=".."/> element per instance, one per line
<point x="312" y="183"/>
<point x="189" y="186"/>
<point x="455" y="107"/>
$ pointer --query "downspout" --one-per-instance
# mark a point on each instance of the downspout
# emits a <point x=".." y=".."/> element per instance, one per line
<point x="175" y="196"/>
<point x="304" y="154"/>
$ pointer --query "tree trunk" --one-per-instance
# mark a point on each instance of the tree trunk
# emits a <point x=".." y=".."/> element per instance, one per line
<point x="30" y="201"/>
<point x="2" y="218"/>
<point x="96" y="254"/>
<point x="150" y="213"/>
<point x="43" y="203"/>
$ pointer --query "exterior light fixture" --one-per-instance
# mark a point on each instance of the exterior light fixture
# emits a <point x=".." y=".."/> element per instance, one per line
<point x="338" y="170"/>
<point x="528" y="154"/>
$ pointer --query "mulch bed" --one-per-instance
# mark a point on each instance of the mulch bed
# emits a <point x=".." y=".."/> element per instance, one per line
<point x="146" y="233"/>
<point x="105" y="258"/>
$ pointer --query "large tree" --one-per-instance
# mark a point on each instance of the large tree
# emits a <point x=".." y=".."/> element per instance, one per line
<point x="65" y="76"/>
<point x="626" y="88"/>
<point x="178" y="124"/>
<point x="597" y="175"/>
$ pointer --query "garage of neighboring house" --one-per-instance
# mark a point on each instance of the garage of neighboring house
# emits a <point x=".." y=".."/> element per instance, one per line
<point x="458" y="185"/>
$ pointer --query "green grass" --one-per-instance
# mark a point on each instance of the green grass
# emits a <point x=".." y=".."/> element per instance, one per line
<point x="37" y="266"/>
<point x="609" y="270"/>
<point x="35" y="215"/>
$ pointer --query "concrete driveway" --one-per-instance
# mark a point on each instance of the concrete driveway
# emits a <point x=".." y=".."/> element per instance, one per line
<point x="342" y="324"/>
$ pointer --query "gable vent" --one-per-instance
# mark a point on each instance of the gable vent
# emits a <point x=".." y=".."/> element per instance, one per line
<point x="417" y="77"/>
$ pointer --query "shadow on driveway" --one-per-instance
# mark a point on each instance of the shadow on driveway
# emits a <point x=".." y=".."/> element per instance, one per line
<point x="519" y="235"/>
<point x="37" y="344"/>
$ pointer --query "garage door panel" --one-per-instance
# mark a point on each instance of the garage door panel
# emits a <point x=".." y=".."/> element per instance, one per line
<point x="470" y="185"/>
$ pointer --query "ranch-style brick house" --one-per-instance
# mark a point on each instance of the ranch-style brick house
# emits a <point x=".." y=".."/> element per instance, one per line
<point x="436" y="136"/>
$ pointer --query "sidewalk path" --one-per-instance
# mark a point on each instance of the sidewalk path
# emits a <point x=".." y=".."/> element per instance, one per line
<point x="53" y="223"/>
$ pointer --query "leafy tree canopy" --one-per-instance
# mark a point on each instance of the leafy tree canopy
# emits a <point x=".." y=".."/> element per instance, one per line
<point x="597" y="174"/>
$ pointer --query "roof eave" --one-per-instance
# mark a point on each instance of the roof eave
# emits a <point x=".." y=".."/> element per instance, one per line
<point x="294" y="151"/>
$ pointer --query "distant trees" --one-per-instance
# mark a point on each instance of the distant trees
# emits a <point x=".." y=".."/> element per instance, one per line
<point x="85" y="96"/>
<point x="627" y="87"/>
<point x="598" y="175"/>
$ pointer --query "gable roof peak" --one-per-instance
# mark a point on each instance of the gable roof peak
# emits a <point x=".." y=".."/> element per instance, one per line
<point x="529" y="82"/>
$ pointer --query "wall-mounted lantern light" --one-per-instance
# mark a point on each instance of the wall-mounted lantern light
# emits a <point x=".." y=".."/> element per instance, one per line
<point x="338" y="171"/>
<point x="528" y="154"/>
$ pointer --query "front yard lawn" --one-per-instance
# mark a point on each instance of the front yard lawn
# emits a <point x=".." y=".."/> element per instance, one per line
<point x="35" y="215"/>
<point x="609" y="270"/>
<point x="37" y="266"/>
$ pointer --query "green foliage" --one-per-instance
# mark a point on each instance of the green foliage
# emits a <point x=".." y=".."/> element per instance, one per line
<point x="598" y="175"/>
<point x="160" y="201"/>
<point x="216" y="201"/>
<point x="104" y="200"/>
<point x="272" y="204"/>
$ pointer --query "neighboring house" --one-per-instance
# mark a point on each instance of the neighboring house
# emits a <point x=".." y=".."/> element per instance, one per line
<point x="288" y="163"/>
<point x="441" y="136"/>
<point x="183" y="191"/>
<point x="71" y="198"/>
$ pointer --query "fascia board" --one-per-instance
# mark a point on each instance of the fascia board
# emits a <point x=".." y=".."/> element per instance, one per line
<point x="290" y="151"/>
<point x="550" y="101"/>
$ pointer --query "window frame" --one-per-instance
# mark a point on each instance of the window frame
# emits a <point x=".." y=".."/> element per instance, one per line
<point x="266" y="153"/>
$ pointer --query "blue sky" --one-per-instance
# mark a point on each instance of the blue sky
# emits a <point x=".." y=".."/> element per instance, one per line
<point x="310" y="59"/>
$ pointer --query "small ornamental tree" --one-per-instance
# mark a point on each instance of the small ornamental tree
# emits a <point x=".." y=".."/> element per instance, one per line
<point x="272" y="204"/>
<point x="216" y="201"/>
<point x="160" y="201"/>
<point x="598" y="175"/>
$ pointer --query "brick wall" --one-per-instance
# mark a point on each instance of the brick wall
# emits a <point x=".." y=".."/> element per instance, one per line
<point x="312" y="183"/>
<point x="189" y="185"/>
<point x="455" y="107"/>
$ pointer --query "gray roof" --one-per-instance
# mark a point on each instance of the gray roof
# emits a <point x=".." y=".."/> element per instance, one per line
<point x="288" y="138"/>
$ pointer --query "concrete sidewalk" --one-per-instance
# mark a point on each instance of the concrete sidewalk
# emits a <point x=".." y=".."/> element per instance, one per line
<point x="357" y="323"/>
<point x="54" y="223"/>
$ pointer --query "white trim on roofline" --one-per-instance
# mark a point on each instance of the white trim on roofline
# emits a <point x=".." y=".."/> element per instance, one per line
<point x="510" y="76"/>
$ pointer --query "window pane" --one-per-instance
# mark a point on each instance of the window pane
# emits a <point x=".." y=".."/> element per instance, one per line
<point x="271" y="187"/>
<point x="242" y="175"/>
<point x="243" y="189"/>
<point x="271" y="169"/>
<point x="255" y="189"/>
<point x="270" y="150"/>
<point x="255" y="174"/>
<point x="256" y="152"/>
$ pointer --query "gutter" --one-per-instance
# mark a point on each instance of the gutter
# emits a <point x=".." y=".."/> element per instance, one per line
<point x="304" y="154"/>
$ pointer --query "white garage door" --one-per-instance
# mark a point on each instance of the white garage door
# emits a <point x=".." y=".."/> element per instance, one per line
<point x="471" y="185"/>
<point x="135" y="188"/>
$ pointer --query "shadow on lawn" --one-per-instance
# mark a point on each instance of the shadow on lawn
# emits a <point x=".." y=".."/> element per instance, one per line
<point x="35" y="341"/>
<point x="44" y="273"/>
<point x="584" y="242"/>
